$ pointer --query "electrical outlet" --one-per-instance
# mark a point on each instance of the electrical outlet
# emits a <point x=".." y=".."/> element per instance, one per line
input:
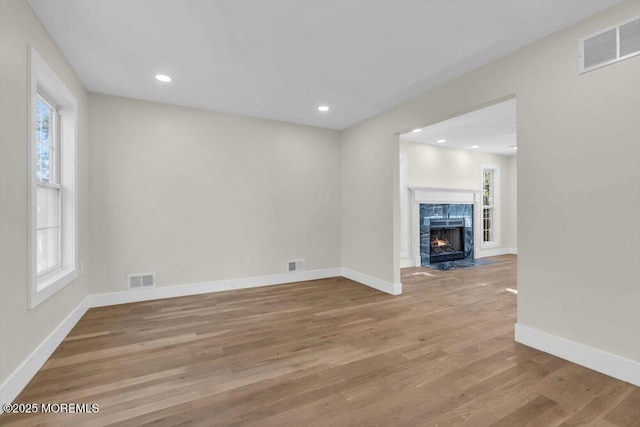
<point x="84" y="267"/>
<point x="328" y="245"/>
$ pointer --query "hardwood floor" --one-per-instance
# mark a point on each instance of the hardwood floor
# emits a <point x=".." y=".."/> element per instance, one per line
<point x="325" y="353"/>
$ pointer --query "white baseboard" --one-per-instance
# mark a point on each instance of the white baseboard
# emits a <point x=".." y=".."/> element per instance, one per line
<point x="408" y="262"/>
<point x="18" y="380"/>
<point x="483" y="253"/>
<point x="124" y="297"/>
<point x="609" y="364"/>
<point x="381" y="285"/>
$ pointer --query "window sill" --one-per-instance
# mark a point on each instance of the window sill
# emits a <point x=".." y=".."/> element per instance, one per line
<point x="50" y="284"/>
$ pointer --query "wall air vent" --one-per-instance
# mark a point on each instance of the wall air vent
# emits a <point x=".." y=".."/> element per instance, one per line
<point x="295" y="265"/>
<point x="141" y="280"/>
<point x="610" y="45"/>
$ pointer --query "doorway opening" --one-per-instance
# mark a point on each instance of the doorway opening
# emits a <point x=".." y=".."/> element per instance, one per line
<point x="458" y="190"/>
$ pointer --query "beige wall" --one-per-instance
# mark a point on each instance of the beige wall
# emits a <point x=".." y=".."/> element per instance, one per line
<point x="578" y="161"/>
<point x="22" y="329"/>
<point x="512" y="212"/>
<point x="441" y="167"/>
<point x="198" y="196"/>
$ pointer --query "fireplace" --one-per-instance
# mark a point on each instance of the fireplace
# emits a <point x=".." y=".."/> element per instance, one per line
<point x="446" y="240"/>
<point x="451" y="222"/>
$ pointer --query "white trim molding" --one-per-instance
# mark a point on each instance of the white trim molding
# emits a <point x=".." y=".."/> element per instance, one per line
<point x="408" y="262"/>
<point x="19" y="379"/>
<point x="372" y="282"/>
<point x="609" y="364"/>
<point x="487" y="252"/>
<point x="137" y="295"/>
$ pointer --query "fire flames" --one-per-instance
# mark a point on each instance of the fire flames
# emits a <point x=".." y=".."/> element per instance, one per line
<point x="436" y="242"/>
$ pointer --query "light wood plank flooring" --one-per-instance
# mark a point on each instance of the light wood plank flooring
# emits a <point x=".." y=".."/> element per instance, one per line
<point x="325" y="353"/>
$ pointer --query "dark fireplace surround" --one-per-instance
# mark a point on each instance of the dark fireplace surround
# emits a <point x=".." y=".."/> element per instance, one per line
<point x="446" y="232"/>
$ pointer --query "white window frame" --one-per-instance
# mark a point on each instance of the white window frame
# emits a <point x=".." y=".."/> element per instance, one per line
<point x="495" y="242"/>
<point x="43" y="82"/>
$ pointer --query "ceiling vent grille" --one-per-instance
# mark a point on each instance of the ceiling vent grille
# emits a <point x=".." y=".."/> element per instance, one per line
<point x="141" y="280"/>
<point x="295" y="265"/>
<point x="610" y="45"/>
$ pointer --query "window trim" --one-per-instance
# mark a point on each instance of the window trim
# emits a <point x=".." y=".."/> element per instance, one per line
<point x="495" y="242"/>
<point x="43" y="82"/>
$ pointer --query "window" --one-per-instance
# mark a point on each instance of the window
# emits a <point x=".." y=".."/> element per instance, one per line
<point x="52" y="182"/>
<point x="49" y="192"/>
<point x="490" y="198"/>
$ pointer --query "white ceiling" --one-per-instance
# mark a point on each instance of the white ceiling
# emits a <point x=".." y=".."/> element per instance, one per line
<point x="280" y="59"/>
<point x="492" y="129"/>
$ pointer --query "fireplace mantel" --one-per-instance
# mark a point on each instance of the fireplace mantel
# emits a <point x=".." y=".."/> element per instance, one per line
<point x="448" y="190"/>
<point x="445" y="195"/>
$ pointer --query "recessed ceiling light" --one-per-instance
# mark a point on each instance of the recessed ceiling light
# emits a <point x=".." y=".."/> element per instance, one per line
<point x="440" y="141"/>
<point x="417" y="130"/>
<point x="475" y="146"/>
<point x="163" y="78"/>
<point x="323" y="108"/>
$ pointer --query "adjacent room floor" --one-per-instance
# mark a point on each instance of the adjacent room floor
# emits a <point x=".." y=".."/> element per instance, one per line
<point x="326" y="352"/>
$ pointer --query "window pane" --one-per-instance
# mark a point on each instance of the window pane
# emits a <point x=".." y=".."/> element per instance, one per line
<point x="47" y="207"/>
<point x="487" y="219"/>
<point x="43" y="120"/>
<point x="45" y="157"/>
<point x="44" y="116"/>
<point x="47" y="249"/>
<point x="39" y="162"/>
<point x="488" y="188"/>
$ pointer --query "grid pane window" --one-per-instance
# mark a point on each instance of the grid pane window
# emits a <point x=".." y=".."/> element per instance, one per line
<point x="487" y="205"/>
<point x="487" y="219"/>
<point x="49" y="191"/>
